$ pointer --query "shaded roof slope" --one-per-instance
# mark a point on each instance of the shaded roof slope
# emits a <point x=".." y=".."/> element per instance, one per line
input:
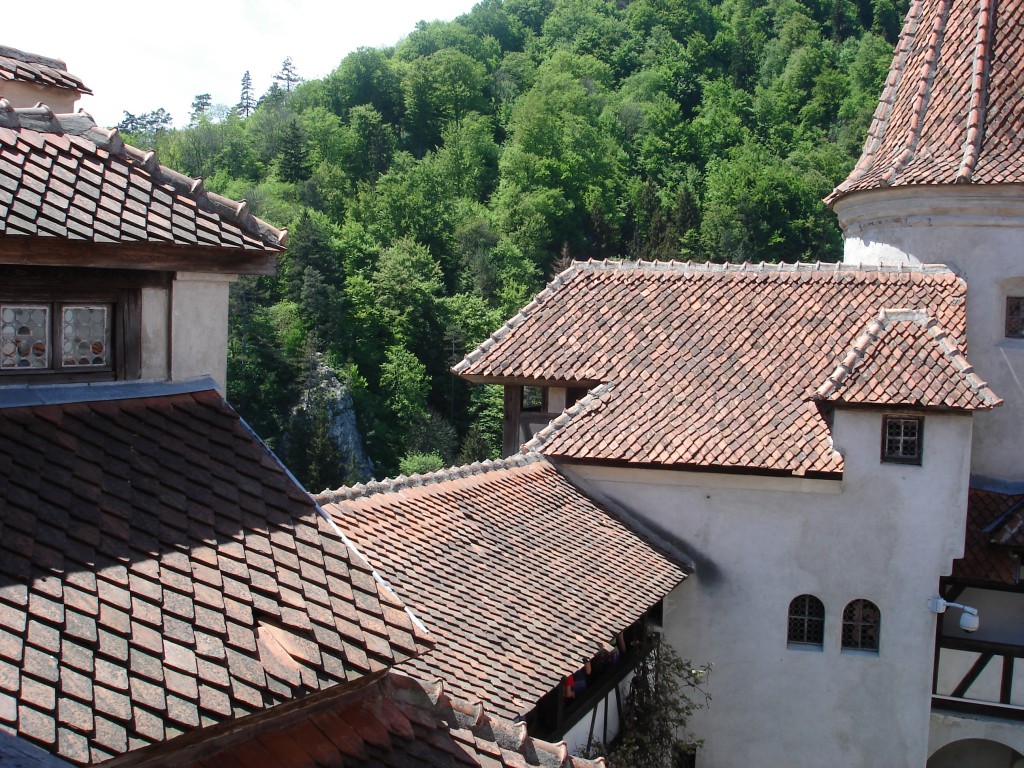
<point x="21" y="66"/>
<point x="704" y="365"/>
<point x="395" y="721"/>
<point x="63" y="177"/>
<point x="160" y="570"/>
<point x="952" y="110"/>
<point x="906" y="358"/>
<point x="995" y="523"/>
<point x="520" y="577"/>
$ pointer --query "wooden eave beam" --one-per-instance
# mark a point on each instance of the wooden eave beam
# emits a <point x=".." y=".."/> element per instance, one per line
<point x="58" y="252"/>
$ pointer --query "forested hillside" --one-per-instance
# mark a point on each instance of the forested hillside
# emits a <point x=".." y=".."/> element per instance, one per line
<point x="431" y="188"/>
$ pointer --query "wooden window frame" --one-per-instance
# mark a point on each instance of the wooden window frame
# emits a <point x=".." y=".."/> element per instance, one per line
<point x="120" y="290"/>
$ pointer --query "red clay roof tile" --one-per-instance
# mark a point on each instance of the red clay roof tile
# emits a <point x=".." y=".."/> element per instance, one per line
<point x="709" y="365"/>
<point x="21" y="66"/>
<point x="511" y="567"/>
<point x="392" y="722"/>
<point x="86" y="191"/>
<point x="905" y="358"/>
<point x="993" y="546"/>
<point x="952" y="110"/>
<point x="163" y="635"/>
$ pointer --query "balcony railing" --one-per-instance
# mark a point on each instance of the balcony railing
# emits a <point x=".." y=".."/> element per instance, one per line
<point x="979" y="677"/>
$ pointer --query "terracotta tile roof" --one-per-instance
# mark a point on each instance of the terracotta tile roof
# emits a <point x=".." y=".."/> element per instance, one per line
<point x="61" y="176"/>
<point x="519" y="576"/>
<point x="20" y="66"/>
<point x="18" y="753"/>
<point x="392" y="722"/>
<point x="994" y="534"/>
<point x="160" y="570"/>
<point x="708" y="365"/>
<point x="906" y="358"/>
<point x="953" y="106"/>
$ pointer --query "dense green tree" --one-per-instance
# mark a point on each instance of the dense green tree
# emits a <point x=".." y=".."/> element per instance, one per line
<point x="431" y="188"/>
<point x="293" y="163"/>
<point x="367" y="76"/>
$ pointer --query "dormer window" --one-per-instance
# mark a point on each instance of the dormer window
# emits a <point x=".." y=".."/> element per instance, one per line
<point x="1015" y="317"/>
<point x="902" y="439"/>
<point x="55" y="336"/>
<point x="70" y="325"/>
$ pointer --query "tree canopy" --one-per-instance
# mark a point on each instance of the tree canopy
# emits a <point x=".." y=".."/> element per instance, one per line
<point x="432" y="187"/>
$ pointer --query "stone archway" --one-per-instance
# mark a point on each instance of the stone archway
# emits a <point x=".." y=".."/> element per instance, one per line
<point x="976" y="753"/>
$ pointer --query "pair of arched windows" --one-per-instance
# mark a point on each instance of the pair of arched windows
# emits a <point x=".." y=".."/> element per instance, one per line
<point x="861" y="622"/>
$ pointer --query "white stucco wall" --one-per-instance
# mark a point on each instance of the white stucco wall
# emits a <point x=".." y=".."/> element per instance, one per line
<point x="199" y="326"/>
<point x="185" y="329"/>
<point x="979" y="233"/>
<point x="886" y="533"/>
<point x="962" y="741"/>
<point x="156" y="341"/>
<point x="21" y="94"/>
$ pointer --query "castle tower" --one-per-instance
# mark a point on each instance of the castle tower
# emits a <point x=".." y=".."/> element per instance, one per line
<point x="941" y="180"/>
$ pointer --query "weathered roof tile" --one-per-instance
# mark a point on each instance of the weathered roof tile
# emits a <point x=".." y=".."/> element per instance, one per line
<point x="504" y="562"/>
<point x="952" y="110"/>
<point x="712" y="365"/>
<point x="130" y="197"/>
<point x="144" y="615"/>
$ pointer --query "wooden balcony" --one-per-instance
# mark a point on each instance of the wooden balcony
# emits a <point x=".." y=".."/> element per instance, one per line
<point x="978" y="677"/>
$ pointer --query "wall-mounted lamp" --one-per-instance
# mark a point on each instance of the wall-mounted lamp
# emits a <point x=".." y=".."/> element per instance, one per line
<point x="969" y="621"/>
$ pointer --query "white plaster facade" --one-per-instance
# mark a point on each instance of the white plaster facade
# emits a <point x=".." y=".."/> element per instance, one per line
<point x="60" y="100"/>
<point x="886" y="533"/>
<point x="185" y="328"/>
<point x="978" y="232"/>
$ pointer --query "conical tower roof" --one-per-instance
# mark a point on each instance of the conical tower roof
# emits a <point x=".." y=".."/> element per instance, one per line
<point x="952" y="111"/>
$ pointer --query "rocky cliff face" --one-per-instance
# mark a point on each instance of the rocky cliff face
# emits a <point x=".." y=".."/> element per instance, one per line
<point x="322" y="444"/>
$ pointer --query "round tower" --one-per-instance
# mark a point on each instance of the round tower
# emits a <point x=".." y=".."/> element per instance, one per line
<point x="941" y="180"/>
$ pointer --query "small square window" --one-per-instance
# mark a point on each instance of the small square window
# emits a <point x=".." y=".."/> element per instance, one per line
<point x="902" y="439"/>
<point x="24" y="337"/>
<point x="1015" y="317"/>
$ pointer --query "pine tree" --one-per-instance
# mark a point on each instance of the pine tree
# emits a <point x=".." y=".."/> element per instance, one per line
<point x="294" y="161"/>
<point x="200" y="104"/>
<point x="288" y="76"/>
<point x="247" y="102"/>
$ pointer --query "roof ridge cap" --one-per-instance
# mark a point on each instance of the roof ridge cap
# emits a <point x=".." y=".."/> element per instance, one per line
<point x="979" y="94"/>
<point x="880" y="118"/>
<point x="520" y="317"/>
<point x="881" y="323"/>
<point x="402" y="482"/>
<point x="508" y="734"/>
<point x="922" y="98"/>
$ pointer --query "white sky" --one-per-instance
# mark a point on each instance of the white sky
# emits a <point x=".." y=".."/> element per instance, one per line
<point x="139" y="56"/>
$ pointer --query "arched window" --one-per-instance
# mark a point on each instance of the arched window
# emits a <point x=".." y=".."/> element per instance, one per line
<point x="861" y="621"/>
<point x="806" y="621"/>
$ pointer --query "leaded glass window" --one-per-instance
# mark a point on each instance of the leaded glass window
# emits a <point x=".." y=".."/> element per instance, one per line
<point x="55" y="337"/>
<point x="861" y="622"/>
<point x="1015" y="317"/>
<point x="806" y="621"/>
<point x="85" y="336"/>
<point x="24" y="337"/>
<point x="901" y="439"/>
